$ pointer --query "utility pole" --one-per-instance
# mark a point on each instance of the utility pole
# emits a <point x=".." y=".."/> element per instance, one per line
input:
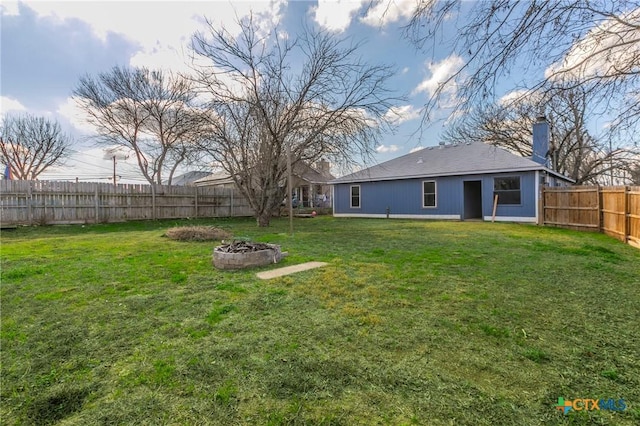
<point x="114" y="154"/>
<point x="289" y="187"/>
<point x="114" y="170"/>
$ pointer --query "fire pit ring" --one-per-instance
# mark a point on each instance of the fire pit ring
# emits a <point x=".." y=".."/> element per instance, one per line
<point x="245" y="254"/>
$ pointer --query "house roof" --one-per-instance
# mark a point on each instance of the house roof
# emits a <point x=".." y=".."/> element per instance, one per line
<point x="188" y="178"/>
<point x="301" y="170"/>
<point x="311" y="174"/>
<point x="219" y="178"/>
<point x="447" y="160"/>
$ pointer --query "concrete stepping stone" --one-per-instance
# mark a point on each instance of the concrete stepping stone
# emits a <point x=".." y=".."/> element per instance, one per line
<point x="287" y="270"/>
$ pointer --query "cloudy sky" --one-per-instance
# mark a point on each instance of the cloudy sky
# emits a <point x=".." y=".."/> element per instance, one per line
<point x="48" y="45"/>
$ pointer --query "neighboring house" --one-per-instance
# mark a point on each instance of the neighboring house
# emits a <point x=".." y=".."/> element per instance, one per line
<point x="219" y="180"/>
<point x="310" y="184"/>
<point x="451" y="182"/>
<point x="187" y="179"/>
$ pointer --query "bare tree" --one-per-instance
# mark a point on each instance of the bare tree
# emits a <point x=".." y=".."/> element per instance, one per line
<point x="634" y="172"/>
<point x="574" y="151"/>
<point x="313" y="96"/>
<point x="29" y="145"/>
<point x="150" y="112"/>
<point x="557" y="44"/>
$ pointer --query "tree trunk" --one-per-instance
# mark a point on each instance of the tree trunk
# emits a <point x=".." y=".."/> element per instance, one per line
<point x="264" y="219"/>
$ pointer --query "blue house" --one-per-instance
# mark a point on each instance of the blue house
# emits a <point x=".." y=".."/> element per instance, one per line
<point x="463" y="181"/>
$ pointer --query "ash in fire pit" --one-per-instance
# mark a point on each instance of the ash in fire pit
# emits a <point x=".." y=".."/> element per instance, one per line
<point x="246" y="254"/>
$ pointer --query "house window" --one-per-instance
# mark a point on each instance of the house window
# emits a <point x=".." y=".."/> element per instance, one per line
<point x="507" y="189"/>
<point x="355" y="197"/>
<point x="429" y="193"/>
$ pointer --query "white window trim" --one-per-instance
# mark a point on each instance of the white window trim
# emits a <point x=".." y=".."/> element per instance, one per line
<point x="359" y="206"/>
<point x="435" y="193"/>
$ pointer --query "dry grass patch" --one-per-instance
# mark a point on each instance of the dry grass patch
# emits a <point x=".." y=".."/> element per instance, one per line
<point x="197" y="233"/>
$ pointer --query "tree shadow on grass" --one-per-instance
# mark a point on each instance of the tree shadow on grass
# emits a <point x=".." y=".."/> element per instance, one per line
<point x="49" y="409"/>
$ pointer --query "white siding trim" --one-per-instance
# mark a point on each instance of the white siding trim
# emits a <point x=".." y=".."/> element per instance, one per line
<point x="525" y="219"/>
<point x="333" y="197"/>
<point x="401" y="216"/>
<point x="434" y="217"/>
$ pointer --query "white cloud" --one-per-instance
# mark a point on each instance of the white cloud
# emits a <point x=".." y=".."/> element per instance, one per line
<point x="384" y="148"/>
<point x="417" y="148"/>
<point x="513" y="96"/>
<point x="71" y="111"/>
<point x="9" y="8"/>
<point x="610" y="48"/>
<point x="161" y="57"/>
<point x="521" y="97"/>
<point x="401" y="114"/>
<point x="10" y="104"/>
<point x="336" y="15"/>
<point x="440" y="72"/>
<point x="162" y="29"/>
<point x="388" y="11"/>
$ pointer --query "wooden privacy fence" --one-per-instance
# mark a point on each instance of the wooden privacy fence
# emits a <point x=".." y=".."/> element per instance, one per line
<point x="48" y="203"/>
<point x="614" y="210"/>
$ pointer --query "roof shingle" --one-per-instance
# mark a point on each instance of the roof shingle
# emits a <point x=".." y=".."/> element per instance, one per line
<point x="445" y="160"/>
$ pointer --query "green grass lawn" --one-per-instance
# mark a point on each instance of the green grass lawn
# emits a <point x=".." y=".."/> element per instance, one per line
<point x="412" y="322"/>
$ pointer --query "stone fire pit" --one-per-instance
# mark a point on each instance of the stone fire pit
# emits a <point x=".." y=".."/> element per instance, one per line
<point x="245" y="254"/>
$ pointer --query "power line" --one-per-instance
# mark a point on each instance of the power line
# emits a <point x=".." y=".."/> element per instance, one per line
<point x="83" y="153"/>
<point x="88" y="164"/>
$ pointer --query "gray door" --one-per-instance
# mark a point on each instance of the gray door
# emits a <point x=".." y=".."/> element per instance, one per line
<point x="472" y="199"/>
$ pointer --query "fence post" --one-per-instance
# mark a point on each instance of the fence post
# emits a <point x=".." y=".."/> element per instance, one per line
<point x="600" y="212"/>
<point x="541" y="205"/>
<point x="97" y="204"/>
<point x="43" y="195"/>
<point x="77" y="201"/>
<point x="196" y="202"/>
<point x="30" y="202"/>
<point x="627" y="214"/>
<point x="153" y="201"/>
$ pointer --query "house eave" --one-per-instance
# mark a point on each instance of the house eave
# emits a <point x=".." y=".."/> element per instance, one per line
<point x="461" y="173"/>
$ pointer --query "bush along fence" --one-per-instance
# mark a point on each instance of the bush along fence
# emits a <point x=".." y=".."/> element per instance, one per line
<point x="613" y="210"/>
<point x="49" y="203"/>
